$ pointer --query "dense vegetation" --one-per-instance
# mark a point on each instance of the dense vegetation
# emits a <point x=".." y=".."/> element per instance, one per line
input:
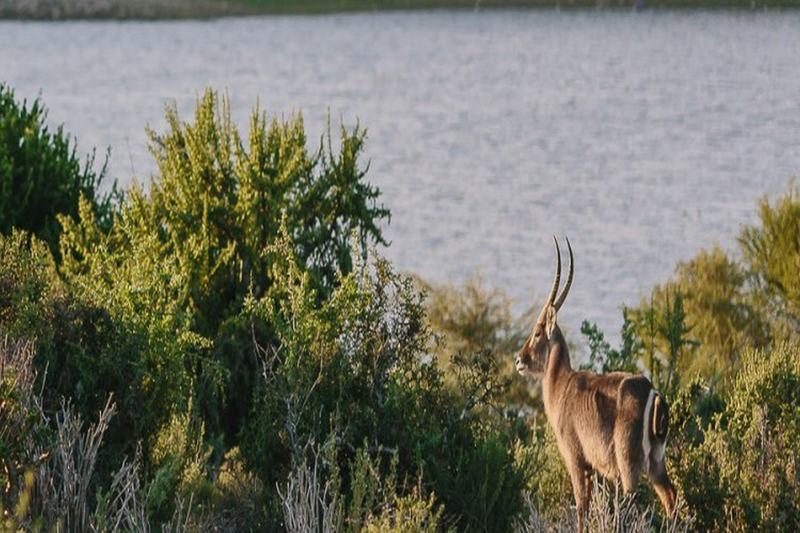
<point x="229" y="351"/>
<point x="41" y="175"/>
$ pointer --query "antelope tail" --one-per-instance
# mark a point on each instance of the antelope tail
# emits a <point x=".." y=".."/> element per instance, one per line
<point x="655" y="427"/>
<point x="660" y="421"/>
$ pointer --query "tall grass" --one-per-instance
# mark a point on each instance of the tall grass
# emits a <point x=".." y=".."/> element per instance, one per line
<point x="48" y="463"/>
<point x="610" y="511"/>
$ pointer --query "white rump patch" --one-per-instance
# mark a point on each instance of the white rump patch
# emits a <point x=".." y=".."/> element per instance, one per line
<point x="646" y="423"/>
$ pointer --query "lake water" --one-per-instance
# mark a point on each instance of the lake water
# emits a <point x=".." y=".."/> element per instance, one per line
<point x="641" y="136"/>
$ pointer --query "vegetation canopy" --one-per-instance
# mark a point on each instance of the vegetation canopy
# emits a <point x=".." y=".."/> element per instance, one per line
<point x="227" y="350"/>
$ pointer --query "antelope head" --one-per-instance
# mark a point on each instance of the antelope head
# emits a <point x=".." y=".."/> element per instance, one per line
<point x="532" y="357"/>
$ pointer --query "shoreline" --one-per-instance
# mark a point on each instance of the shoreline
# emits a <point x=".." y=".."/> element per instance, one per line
<point x="153" y="10"/>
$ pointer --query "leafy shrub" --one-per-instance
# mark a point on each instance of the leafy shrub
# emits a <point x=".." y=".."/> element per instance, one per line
<point x="238" y="500"/>
<point x="178" y="459"/>
<point x="93" y="345"/>
<point x="472" y="318"/>
<point x="193" y="248"/>
<point x="728" y="305"/>
<point x="547" y="483"/>
<point x="354" y="369"/>
<point x="473" y="321"/>
<point x="771" y="253"/>
<point x="743" y="474"/>
<point x="40" y="173"/>
<point x="710" y="339"/>
<point x="408" y="514"/>
<point x="312" y="498"/>
<point x="603" y="358"/>
<point x="702" y="321"/>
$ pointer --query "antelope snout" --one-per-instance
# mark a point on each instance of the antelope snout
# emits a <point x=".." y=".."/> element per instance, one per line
<point x="520" y="364"/>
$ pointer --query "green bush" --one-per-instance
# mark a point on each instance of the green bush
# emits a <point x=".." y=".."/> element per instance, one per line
<point x="547" y="483"/>
<point x="90" y="346"/>
<point x="771" y="253"/>
<point x="40" y="173"/>
<point x="603" y="358"/>
<point x="703" y="320"/>
<point x="28" y="276"/>
<point x="741" y="472"/>
<point x="242" y="249"/>
<point x="354" y="369"/>
<point x="313" y="499"/>
<point x="193" y="248"/>
<point x="728" y="305"/>
<point x="475" y="321"/>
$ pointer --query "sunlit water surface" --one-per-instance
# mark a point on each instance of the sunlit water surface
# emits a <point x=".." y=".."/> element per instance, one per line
<point x="642" y="136"/>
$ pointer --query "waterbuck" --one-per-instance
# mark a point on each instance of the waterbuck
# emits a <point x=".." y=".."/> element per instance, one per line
<point x="615" y="424"/>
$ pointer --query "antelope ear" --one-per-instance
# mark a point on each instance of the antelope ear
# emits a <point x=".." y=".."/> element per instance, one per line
<point x="550" y="322"/>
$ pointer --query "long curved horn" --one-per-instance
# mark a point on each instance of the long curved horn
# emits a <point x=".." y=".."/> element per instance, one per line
<point x="564" y="293"/>
<point x="554" y="288"/>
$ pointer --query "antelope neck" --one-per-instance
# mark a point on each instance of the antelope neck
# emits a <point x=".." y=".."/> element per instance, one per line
<point x="558" y="365"/>
<point x="558" y="355"/>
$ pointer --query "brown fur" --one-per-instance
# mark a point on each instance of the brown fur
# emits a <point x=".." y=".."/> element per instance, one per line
<point x="599" y="420"/>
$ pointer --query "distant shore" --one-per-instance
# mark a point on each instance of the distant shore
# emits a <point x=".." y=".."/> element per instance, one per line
<point x="180" y="9"/>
